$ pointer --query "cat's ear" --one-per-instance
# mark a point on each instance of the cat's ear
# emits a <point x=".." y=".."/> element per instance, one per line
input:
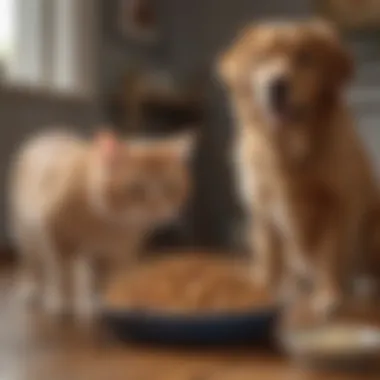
<point x="107" y="145"/>
<point x="182" y="146"/>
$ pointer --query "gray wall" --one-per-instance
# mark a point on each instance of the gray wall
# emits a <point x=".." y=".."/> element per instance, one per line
<point x="192" y="34"/>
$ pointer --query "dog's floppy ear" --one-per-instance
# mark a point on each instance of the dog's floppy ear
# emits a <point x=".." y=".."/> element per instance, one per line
<point x="226" y="67"/>
<point x="342" y="66"/>
<point x="228" y="64"/>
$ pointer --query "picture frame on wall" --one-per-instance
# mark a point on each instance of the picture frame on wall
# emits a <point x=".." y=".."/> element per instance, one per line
<point x="137" y="20"/>
<point x="352" y="14"/>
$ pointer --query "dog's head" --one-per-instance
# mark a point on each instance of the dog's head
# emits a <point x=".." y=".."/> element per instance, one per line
<point x="284" y="72"/>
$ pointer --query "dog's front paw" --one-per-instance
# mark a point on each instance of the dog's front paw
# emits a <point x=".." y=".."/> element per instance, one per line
<point x="288" y="290"/>
<point x="325" y="303"/>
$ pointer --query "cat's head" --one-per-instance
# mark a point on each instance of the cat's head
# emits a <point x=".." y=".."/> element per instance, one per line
<point x="140" y="181"/>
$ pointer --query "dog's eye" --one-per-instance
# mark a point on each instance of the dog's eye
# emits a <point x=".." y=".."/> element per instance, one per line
<point x="305" y="58"/>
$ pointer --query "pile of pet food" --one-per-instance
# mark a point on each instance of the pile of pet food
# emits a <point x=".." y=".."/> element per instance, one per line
<point x="187" y="284"/>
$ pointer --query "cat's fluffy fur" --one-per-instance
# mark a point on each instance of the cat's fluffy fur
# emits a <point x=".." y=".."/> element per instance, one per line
<point x="304" y="176"/>
<point x="74" y="201"/>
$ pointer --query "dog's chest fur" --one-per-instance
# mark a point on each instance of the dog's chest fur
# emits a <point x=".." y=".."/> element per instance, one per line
<point x="257" y="176"/>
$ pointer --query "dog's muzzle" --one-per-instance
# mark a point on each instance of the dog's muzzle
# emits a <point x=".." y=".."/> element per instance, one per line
<point x="279" y="94"/>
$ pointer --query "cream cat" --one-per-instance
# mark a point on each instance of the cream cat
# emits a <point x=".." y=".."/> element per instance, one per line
<point x="73" y="202"/>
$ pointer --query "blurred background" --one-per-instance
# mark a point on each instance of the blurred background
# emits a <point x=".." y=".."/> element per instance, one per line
<point x="146" y="67"/>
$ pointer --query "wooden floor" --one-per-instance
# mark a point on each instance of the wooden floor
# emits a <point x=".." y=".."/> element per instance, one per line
<point x="34" y="347"/>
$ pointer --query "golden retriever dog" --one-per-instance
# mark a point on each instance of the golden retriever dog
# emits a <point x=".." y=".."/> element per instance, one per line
<point x="304" y="175"/>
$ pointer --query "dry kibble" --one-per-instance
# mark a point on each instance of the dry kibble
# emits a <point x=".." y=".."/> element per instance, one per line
<point x="187" y="284"/>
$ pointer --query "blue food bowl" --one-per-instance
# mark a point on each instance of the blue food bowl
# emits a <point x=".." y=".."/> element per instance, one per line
<point x="228" y="328"/>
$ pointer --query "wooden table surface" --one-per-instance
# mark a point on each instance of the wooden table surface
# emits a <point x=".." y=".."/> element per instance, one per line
<point x="36" y="347"/>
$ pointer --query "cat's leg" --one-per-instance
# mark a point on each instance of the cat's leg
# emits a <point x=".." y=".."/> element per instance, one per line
<point x="27" y="287"/>
<point x="55" y="277"/>
<point x="84" y="289"/>
<point x="29" y="276"/>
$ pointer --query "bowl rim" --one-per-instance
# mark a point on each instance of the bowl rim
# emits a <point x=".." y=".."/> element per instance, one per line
<point x="291" y="341"/>
<point x="256" y="312"/>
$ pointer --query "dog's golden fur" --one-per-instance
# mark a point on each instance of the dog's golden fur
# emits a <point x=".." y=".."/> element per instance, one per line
<point x="306" y="178"/>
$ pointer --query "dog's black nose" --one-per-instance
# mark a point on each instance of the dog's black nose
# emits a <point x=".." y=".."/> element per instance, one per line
<point x="279" y="93"/>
